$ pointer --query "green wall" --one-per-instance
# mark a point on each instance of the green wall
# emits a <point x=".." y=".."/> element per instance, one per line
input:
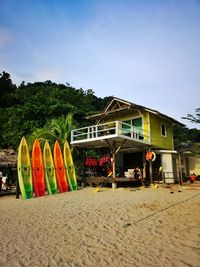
<point x="157" y="139"/>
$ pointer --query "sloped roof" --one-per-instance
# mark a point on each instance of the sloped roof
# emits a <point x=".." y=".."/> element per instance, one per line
<point x="117" y="105"/>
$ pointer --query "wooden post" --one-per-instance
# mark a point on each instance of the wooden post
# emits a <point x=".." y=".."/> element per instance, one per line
<point x="114" y="185"/>
<point x="114" y="159"/>
<point x="17" y="188"/>
<point x="180" y="170"/>
<point x="150" y="171"/>
<point x="144" y="165"/>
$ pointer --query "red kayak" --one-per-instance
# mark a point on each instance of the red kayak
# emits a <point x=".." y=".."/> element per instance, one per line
<point x="60" y="169"/>
<point x="38" y="170"/>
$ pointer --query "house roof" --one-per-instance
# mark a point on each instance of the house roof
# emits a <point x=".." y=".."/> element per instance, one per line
<point x="119" y="106"/>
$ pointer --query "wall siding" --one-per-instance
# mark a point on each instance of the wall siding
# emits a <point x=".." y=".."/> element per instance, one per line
<point x="157" y="139"/>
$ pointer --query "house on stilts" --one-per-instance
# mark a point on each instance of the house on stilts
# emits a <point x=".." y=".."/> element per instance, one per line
<point x="130" y="131"/>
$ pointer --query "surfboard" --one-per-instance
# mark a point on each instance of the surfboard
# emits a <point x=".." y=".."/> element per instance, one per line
<point x="38" y="170"/>
<point x="24" y="170"/>
<point x="69" y="165"/>
<point x="60" y="168"/>
<point x="49" y="170"/>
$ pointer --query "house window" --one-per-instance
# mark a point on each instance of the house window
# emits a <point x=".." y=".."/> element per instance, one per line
<point x="163" y="130"/>
<point x="133" y="128"/>
<point x="126" y="126"/>
<point x="137" y="123"/>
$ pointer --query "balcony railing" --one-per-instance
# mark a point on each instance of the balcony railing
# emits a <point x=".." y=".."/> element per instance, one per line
<point x="109" y="129"/>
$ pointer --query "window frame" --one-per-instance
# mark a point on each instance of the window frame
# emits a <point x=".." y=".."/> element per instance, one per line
<point x="165" y="129"/>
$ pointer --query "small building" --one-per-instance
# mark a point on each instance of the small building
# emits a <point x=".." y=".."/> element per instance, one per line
<point x="190" y="159"/>
<point x="130" y="131"/>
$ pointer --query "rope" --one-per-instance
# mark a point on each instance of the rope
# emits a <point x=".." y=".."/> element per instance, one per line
<point x="171" y="206"/>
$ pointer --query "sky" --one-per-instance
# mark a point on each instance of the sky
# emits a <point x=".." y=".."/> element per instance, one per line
<point x="144" y="51"/>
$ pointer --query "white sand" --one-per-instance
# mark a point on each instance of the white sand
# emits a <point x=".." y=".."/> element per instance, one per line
<point x="122" y="227"/>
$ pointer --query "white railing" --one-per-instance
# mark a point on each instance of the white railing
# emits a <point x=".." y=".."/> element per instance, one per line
<point x="117" y="128"/>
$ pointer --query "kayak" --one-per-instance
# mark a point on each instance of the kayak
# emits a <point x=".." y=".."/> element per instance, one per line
<point x="24" y="170"/>
<point x="60" y="169"/>
<point x="70" y="169"/>
<point x="38" y="170"/>
<point x="49" y="170"/>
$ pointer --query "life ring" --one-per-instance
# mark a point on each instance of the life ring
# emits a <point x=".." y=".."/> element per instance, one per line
<point x="150" y="155"/>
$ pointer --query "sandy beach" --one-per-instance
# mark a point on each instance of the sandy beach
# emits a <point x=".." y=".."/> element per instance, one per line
<point x="122" y="227"/>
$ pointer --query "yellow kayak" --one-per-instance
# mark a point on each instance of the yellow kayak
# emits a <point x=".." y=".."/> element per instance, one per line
<point x="69" y="165"/>
<point x="24" y="170"/>
<point x="50" y="174"/>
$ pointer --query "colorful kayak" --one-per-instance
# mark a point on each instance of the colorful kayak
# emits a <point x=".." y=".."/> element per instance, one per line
<point x="38" y="170"/>
<point x="69" y="165"/>
<point x="24" y="170"/>
<point x="60" y="169"/>
<point x="50" y="174"/>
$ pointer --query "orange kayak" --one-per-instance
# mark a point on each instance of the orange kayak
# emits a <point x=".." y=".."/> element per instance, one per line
<point x="38" y="170"/>
<point x="60" y="169"/>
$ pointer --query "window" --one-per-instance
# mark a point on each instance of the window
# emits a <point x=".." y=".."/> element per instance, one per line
<point x="163" y="130"/>
<point x="133" y="128"/>
<point x="137" y="123"/>
<point x="126" y="126"/>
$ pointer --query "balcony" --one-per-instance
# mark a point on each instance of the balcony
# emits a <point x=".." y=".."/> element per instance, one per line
<point x="117" y="131"/>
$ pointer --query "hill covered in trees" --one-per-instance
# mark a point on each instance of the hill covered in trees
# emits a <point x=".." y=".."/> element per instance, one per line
<point x="26" y="108"/>
<point x="30" y="106"/>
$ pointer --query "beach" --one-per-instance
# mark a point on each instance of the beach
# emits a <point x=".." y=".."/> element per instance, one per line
<point x="102" y="227"/>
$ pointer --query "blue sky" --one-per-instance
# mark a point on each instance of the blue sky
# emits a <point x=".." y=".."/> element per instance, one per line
<point x="147" y="52"/>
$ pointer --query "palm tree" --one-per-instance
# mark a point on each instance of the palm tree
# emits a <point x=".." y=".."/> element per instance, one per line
<point x="59" y="128"/>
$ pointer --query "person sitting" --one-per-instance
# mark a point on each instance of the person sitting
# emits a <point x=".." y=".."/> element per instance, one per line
<point x="193" y="178"/>
<point x="137" y="175"/>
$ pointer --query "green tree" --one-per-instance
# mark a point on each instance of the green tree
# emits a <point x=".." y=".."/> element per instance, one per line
<point x="185" y="135"/>
<point x="193" y="118"/>
<point x="7" y="89"/>
<point x="32" y="106"/>
<point x="59" y="128"/>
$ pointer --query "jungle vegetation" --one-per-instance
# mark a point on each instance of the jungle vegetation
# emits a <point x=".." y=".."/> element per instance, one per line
<point x="47" y="109"/>
<point x="42" y="109"/>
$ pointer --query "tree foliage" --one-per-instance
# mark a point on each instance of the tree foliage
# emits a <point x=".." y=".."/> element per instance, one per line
<point x="29" y="107"/>
<point x="187" y="140"/>
<point x="193" y="118"/>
